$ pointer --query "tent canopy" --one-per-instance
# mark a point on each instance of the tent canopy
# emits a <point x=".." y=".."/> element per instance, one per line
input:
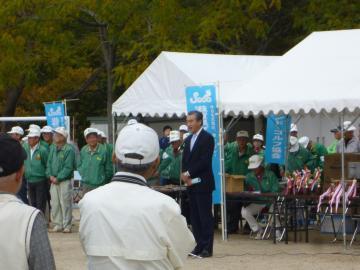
<point x="160" y="89"/>
<point x="321" y="73"/>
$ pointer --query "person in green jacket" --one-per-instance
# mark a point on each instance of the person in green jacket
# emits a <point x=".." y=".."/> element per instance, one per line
<point x="60" y="170"/>
<point x="102" y="138"/>
<point x="299" y="158"/>
<point x="35" y="171"/>
<point x="316" y="149"/>
<point x="237" y="154"/>
<point x="259" y="180"/>
<point x="46" y="136"/>
<point x="94" y="166"/>
<point x="170" y="166"/>
<point x="258" y="145"/>
<point x="331" y="149"/>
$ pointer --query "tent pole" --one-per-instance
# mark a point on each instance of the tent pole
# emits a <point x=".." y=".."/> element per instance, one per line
<point x="222" y="167"/>
<point x="343" y="176"/>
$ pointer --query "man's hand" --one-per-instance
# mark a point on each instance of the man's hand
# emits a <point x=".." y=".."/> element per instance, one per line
<point x="186" y="178"/>
<point x="53" y="180"/>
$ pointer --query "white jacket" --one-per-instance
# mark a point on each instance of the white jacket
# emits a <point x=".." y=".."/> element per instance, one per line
<point x="16" y="221"/>
<point x="130" y="226"/>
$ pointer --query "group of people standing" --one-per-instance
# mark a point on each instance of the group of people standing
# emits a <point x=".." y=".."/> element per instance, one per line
<point x="50" y="165"/>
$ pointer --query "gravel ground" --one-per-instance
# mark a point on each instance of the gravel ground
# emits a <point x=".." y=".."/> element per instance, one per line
<point x="239" y="252"/>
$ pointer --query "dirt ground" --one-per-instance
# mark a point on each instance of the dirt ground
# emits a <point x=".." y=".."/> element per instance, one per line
<point x="239" y="252"/>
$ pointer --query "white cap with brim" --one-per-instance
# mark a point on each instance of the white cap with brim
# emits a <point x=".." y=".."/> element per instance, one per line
<point x="258" y="137"/>
<point x="137" y="144"/>
<point x="242" y="134"/>
<point x="102" y="134"/>
<point x="62" y="131"/>
<point x="47" y="129"/>
<point x="34" y="127"/>
<point x="255" y="162"/>
<point x="33" y="133"/>
<point x="348" y="126"/>
<point x="174" y="136"/>
<point x="89" y="131"/>
<point x="293" y="128"/>
<point x="183" y="128"/>
<point x="16" y="130"/>
<point x="304" y="141"/>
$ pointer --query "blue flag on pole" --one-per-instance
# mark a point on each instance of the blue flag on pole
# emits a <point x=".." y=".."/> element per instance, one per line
<point x="55" y="114"/>
<point x="277" y="138"/>
<point x="203" y="99"/>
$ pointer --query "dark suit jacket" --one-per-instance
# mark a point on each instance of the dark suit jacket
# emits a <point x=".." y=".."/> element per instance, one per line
<point x="198" y="162"/>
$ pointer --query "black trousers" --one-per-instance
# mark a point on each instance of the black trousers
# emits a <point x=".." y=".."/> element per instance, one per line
<point x="22" y="193"/>
<point x="202" y="220"/>
<point x="38" y="193"/>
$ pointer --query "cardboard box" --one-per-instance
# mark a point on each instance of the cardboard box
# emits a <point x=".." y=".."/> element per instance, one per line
<point x="234" y="183"/>
<point x="332" y="167"/>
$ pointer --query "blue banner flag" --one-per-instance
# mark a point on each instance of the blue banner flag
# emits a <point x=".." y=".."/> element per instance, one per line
<point x="203" y="99"/>
<point x="55" y="114"/>
<point x="277" y="138"/>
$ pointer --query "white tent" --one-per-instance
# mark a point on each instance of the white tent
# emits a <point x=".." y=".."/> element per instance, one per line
<point x="320" y="73"/>
<point x="160" y="89"/>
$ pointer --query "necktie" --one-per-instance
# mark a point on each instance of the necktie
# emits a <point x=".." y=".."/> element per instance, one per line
<point x="193" y="139"/>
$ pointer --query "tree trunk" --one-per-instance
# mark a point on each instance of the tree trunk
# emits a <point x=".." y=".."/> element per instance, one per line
<point x="109" y="56"/>
<point x="12" y="97"/>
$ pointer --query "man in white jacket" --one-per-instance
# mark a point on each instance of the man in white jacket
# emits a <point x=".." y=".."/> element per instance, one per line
<point x="127" y="225"/>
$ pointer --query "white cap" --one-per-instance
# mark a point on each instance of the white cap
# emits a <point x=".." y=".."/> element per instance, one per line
<point x="34" y="133"/>
<point x="101" y="134"/>
<point x="183" y="128"/>
<point x="255" y="162"/>
<point x="16" y="130"/>
<point x="132" y="122"/>
<point x="90" y="131"/>
<point x="47" y="129"/>
<point x="293" y="128"/>
<point x="34" y="127"/>
<point x="187" y="134"/>
<point x="174" y="136"/>
<point x="25" y="139"/>
<point x="258" y="137"/>
<point x="294" y="144"/>
<point x="304" y="141"/>
<point x="62" y="131"/>
<point x="348" y="126"/>
<point x="137" y="139"/>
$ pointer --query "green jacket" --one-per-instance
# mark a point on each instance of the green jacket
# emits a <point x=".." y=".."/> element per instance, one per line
<point x="297" y="160"/>
<point x="61" y="162"/>
<point x="45" y="144"/>
<point x="94" y="167"/>
<point x="170" y="165"/>
<point x="235" y="164"/>
<point x="319" y="152"/>
<point x="35" y="167"/>
<point x="332" y="147"/>
<point x="268" y="184"/>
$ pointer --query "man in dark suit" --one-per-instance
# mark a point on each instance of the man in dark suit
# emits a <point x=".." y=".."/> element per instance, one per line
<point x="198" y="175"/>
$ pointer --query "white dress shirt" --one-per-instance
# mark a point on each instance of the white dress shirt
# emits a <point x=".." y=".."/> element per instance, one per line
<point x="194" y="138"/>
<point x="32" y="150"/>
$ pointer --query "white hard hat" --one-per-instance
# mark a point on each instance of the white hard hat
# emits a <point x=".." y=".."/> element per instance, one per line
<point x="293" y="128"/>
<point x="304" y="141"/>
<point x="16" y="130"/>
<point x="47" y="129"/>
<point x="255" y="162"/>
<point x="62" y="131"/>
<point x="348" y="126"/>
<point x="90" y="131"/>
<point x="183" y="128"/>
<point x="34" y="127"/>
<point x="137" y="144"/>
<point x="34" y="133"/>
<point x="174" y="136"/>
<point x="132" y="122"/>
<point x="258" y="137"/>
